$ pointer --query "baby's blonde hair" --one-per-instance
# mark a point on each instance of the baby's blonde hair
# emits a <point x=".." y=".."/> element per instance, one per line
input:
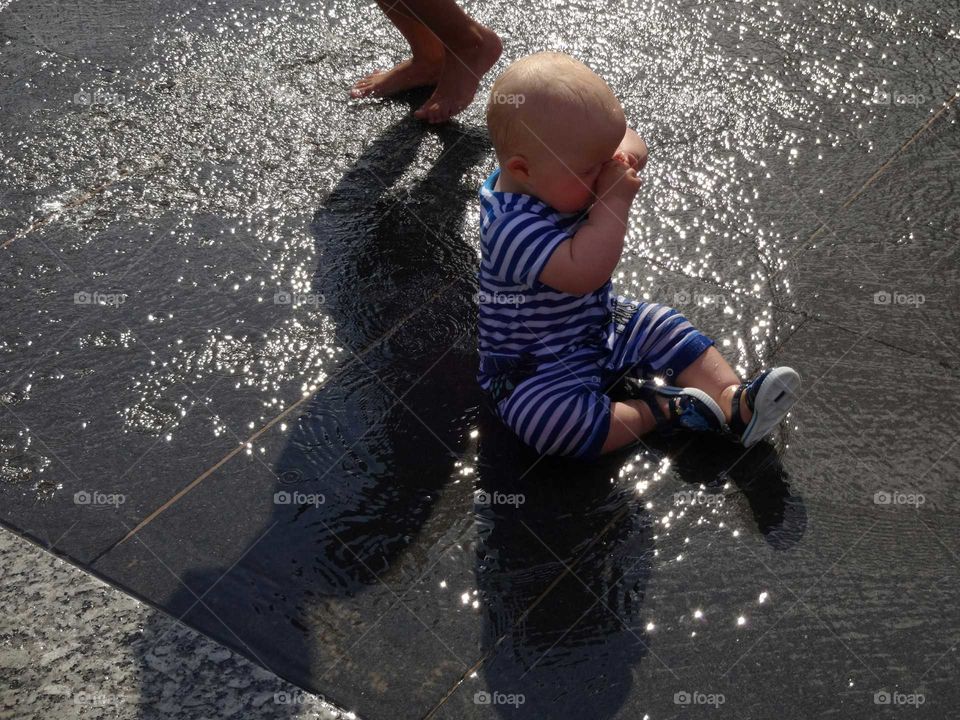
<point x="547" y="86"/>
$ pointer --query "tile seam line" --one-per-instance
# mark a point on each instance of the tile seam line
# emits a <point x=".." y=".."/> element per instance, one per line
<point x="880" y="341"/>
<point x="947" y="104"/>
<point x="81" y="198"/>
<point x="812" y="315"/>
<point x="780" y="344"/>
<point x="230" y="455"/>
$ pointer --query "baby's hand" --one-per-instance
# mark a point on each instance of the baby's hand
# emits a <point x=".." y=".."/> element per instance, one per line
<point x="617" y="179"/>
<point x="633" y="150"/>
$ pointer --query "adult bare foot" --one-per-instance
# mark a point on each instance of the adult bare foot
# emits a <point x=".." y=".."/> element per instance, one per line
<point x="409" y="74"/>
<point x="463" y="67"/>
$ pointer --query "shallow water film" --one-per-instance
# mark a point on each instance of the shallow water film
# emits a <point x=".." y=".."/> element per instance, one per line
<point x="238" y="357"/>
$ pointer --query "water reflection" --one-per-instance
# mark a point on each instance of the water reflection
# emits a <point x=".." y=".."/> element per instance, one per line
<point x="567" y="549"/>
<point x="758" y="475"/>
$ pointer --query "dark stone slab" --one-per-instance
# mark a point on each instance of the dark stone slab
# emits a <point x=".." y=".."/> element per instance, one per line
<point x="384" y="441"/>
<point x="853" y="435"/>
<point x="127" y="376"/>
<point x="888" y="265"/>
<point x="763" y="123"/>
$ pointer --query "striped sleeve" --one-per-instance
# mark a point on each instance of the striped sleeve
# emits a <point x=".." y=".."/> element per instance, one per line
<point x="518" y="245"/>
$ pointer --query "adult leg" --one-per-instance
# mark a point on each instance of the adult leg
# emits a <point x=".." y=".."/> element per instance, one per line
<point x="423" y="68"/>
<point x="469" y="50"/>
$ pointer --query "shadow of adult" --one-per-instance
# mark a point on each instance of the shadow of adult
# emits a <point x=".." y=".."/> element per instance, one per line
<point x="365" y="464"/>
<point x="381" y="439"/>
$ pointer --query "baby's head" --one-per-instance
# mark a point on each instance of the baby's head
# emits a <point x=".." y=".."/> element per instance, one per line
<point x="553" y="123"/>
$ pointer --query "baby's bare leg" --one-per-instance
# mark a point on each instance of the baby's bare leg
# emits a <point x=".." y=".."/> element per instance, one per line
<point x="629" y="421"/>
<point x="712" y="373"/>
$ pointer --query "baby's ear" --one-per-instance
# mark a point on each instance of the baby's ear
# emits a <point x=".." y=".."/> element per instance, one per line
<point x="518" y="167"/>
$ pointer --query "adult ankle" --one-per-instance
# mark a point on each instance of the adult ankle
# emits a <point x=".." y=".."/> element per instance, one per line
<point x="473" y="38"/>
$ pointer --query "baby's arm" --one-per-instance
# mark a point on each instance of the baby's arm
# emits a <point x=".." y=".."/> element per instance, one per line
<point x="633" y="150"/>
<point x="586" y="261"/>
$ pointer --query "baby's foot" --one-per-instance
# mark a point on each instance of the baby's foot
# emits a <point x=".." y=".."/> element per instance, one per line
<point x="411" y="73"/>
<point x="756" y="408"/>
<point x="673" y="408"/>
<point x="462" y="70"/>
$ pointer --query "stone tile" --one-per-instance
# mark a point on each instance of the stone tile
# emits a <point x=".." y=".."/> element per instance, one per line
<point x="72" y="646"/>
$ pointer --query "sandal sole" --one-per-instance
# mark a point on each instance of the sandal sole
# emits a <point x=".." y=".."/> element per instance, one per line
<point x="777" y="394"/>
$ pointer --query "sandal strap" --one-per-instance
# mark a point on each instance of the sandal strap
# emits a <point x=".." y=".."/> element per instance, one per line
<point x="737" y="425"/>
<point x="682" y="409"/>
<point x="649" y="393"/>
<point x="661" y="420"/>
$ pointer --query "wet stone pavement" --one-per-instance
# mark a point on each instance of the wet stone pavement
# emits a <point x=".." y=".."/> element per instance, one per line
<point x="71" y="646"/>
<point x="237" y="356"/>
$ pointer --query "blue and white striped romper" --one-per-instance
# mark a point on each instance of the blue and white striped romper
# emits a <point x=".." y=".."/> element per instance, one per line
<point x="569" y="347"/>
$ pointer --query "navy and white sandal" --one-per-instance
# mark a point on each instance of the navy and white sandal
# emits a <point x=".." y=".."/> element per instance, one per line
<point x="687" y="408"/>
<point x="769" y="396"/>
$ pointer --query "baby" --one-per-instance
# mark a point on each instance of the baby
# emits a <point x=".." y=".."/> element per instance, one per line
<point x="555" y="342"/>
